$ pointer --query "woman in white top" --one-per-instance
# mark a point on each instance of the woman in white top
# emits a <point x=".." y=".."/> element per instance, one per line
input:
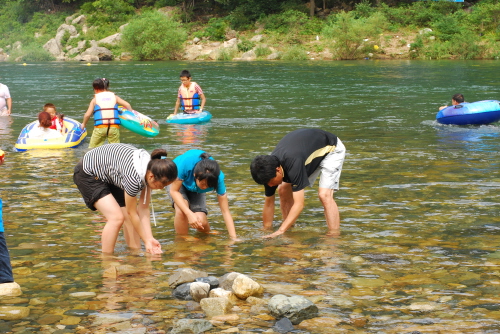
<point x="42" y="130"/>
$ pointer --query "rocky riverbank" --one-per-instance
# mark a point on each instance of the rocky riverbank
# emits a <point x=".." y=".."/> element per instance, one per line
<point x="258" y="46"/>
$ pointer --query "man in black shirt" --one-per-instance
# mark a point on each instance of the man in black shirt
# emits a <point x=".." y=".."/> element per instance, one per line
<point x="294" y="164"/>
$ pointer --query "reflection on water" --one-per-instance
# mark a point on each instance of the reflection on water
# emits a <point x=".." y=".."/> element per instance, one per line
<point x="419" y="249"/>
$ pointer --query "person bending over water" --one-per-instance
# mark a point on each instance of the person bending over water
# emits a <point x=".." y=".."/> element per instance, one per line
<point x="198" y="173"/>
<point x="294" y="164"/>
<point x="455" y="100"/>
<point x="110" y="177"/>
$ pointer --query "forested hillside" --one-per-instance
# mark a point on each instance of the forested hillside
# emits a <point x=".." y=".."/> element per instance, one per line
<point x="287" y="29"/>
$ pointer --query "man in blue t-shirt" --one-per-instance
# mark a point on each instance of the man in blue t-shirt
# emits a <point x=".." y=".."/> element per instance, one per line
<point x="298" y="159"/>
<point x="197" y="174"/>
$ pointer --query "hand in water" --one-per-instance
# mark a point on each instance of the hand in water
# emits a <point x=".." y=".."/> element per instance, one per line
<point x="153" y="247"/>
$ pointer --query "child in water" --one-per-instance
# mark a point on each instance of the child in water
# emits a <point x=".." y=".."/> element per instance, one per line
<point x="42" y="130"/>
<point x="189" y="95"/>
<point x="57" y="119"/>
<point x="104" y="107"/>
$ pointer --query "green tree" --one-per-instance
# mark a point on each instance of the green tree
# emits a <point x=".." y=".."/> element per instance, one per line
<point x="351" y="35"/>
<point x="154" y="36"/>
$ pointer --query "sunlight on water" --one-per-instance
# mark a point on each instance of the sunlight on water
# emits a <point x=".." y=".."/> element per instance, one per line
<point x="419" y="250"/>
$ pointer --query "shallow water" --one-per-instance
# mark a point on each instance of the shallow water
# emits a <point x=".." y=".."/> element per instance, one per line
<point x="419" y="249"/>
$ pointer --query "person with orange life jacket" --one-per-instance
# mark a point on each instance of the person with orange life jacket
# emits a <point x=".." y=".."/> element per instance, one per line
<point x="189" y="95"/>
<point x="104" y="107"/>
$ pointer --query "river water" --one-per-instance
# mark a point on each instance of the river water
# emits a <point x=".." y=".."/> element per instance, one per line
<point x="419" y="202"/>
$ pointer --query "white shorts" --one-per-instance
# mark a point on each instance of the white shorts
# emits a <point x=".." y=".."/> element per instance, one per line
<point x="330" y="168"/>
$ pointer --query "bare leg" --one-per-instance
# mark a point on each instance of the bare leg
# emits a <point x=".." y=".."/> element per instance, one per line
<point x="332" y="214"/>
<point x="286" y="199"/>
<point x="181" y="223"/>
<point x="131" y="236"/>
<point x="114" y="216"/>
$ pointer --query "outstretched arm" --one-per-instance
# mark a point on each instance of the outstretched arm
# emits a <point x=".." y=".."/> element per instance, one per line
<point x="88" y="113"/>
<point x="293" y="215"/>
<point x="139" y="216"/>
<point x="177" y="104"/>
<point x="226" y="214"/>
<point x="268" y="212"/>
<point x="124" y="103"/>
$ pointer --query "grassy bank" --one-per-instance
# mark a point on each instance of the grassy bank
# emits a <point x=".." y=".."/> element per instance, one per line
<point x="420" y="30"/>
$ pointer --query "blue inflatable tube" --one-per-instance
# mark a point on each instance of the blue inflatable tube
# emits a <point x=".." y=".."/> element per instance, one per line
<point x="475" y="113"/>
<point x="182" y="118"/>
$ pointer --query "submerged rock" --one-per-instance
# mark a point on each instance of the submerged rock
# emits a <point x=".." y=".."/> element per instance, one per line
<point x="184" y="275"/>
<point x="13" y="312"/>
<point x="194" y="326"/>
<point x="244" y="287"/>
<point x="284" y="325"/>
<point x="215" y="306"/>
<point x="295" y="308"/>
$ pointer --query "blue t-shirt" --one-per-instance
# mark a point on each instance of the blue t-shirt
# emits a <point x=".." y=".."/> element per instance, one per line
<point x="185" y="166"/>
<point x="1" y="220"/>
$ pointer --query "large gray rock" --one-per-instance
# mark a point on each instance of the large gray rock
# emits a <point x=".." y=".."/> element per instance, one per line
<point x="274" y="56"/>
<point x="199" y="290"/>
<point x="226" y="281"/>
<point x="221" y="293"/>
<point x="183" y="292"/>
<point x="249" y="55"/>
<point x="215" y="306"/>
<point x="257" y="38"/>
<point x="77" y="49"/>
<point x="295" y="308"/>
<point x="111" y="40"/>
<point x="98" y="51"/>
<point x="66" y="27"/>
<point x="244" y="287"/>
<point x="232" y="43"/>
<point x="53" y="47"/>
<point x="194" y="326"/>
<point x="212" y="280"/>
<point x="184" y="275"/>
<point x="79" y="20"/>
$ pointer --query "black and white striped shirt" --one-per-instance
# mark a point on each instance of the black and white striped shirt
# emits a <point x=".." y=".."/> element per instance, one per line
<point x="114" y="163"/>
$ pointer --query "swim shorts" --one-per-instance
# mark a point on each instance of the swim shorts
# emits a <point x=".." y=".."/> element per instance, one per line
<point x="93" y="189"/>
<point x="197" y="202"/>
<point x="330" y="168"/>
<point x="99" y="136"/>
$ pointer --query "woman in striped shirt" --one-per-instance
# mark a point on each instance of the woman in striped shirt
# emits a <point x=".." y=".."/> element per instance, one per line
<point x="110" y="177"/>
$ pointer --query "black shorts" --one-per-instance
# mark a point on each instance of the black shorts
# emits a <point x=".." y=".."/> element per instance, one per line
<point x="93" y="189"/>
